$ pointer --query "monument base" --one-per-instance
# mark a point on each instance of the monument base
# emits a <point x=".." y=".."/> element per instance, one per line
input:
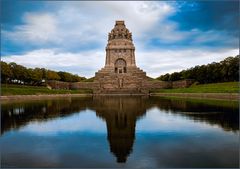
<point x="130" y="82"/>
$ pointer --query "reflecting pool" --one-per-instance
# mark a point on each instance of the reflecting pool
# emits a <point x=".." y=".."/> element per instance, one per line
<point x="120" y="131"/>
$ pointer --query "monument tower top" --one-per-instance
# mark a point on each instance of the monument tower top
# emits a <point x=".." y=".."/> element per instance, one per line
<point x="120" y="22"/>
<point x="120" y="48"/>
<point x="120" y="32"/>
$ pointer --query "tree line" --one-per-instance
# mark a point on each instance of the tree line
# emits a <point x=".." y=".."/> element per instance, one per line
<point x="14" y="73"/>
<point x="224" y="71"/>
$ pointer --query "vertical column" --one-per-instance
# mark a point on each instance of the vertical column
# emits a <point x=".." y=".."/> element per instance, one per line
<point x="129" y="57"/>
<point x="108" y="56"/>
<point x="133" y="57"/>
<point x="106" y="60"/>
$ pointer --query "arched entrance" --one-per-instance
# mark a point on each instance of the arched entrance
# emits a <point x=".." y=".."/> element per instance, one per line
<point x="120" y="66"/>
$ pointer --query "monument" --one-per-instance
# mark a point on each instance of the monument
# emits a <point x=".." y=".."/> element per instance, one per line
<point x="120" y="73"/>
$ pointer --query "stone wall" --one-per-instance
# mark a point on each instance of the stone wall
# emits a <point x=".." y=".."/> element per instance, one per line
<point x="182" y="83"/>
<point x="98" y="88"/>
<point x="84" y="85"/>
<point x="157" y="85"/>
<point x="53" y="84"/>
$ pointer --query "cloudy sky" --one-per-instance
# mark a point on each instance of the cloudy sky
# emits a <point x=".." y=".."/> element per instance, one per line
<point x="71" y="36"/>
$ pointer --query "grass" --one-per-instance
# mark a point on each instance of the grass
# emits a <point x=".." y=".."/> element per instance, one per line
<point x="227" y="87"/>
<point x="35" y="90"/>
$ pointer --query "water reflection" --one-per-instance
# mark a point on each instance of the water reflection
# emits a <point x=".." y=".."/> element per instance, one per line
<point x="213" y="112"/>
<point x="15" y="115"/>
<point x="121" y="116"/>
<point x="119" y="113"/>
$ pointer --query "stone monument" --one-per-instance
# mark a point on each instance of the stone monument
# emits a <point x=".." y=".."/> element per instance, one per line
<point x="120" y="73"/>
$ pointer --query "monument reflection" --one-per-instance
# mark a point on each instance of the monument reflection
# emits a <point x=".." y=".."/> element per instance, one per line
<point x="120" y="114"/>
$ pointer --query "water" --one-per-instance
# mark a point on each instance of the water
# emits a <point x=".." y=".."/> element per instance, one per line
<point x="135" y="132"/>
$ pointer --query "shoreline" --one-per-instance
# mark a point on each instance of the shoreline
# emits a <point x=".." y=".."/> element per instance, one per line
<point x="40" y="97"/>
<point x="216" y="96"/>
<point x="221" y="96"/>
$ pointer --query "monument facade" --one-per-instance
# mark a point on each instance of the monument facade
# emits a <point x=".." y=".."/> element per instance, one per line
<point x="120" y="73"/>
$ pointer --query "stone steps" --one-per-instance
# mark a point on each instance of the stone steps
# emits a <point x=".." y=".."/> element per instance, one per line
<point x="129" y="70"/>
<point x="120" y="91"/>
<point x="132" y="81"/>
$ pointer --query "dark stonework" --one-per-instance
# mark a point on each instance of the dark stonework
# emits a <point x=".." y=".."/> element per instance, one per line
<point x="120" y="75"/>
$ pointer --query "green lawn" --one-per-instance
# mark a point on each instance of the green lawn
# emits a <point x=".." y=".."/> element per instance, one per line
<point x="34" y="90"/>
<point x="227" y="87"/>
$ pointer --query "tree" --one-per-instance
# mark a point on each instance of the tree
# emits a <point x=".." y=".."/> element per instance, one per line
<point x="15" y="73"/>
<point x="224" y="71"/>
<point x="6" y="72"/>
<point x="175" y="76"/>
<point x="164" y="77"/>
<point x="19" y="72"/>
<point x="38" y="75"/>
<point x="52" y="75"/>
<point x="68" y="77"/>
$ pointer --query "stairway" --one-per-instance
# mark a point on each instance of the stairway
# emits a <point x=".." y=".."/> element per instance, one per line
<point x="124" y="83"/>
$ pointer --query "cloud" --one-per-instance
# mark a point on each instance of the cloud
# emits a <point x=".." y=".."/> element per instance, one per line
<point x="215" y="37"/>
<point x="72" y="24"/>
<point x="37" y="28"/>
<point x="83" y="63"/>
<point x="161" y="121"/>
<point x="163" y="61"/>
<point x="87" y="63"/>
<point x="81" y="121"/>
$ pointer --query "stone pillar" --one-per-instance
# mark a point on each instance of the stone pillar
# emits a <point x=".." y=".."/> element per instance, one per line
<point x="106" y="61"/>
<point x="133" y="57"/>
<point x="108" y="57"/>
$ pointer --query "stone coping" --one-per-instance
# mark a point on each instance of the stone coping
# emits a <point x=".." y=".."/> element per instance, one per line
<point x="222" y="96"/>
<point x="42" y="96"/>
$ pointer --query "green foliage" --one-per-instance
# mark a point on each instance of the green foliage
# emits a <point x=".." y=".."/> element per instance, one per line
<point x="227" y="87"/>
<point x="165" y="77"/>
<point x="6" y="72"/>
<point x="224" y="71"/>
<point x="51" y="75"/>
<point x="175" y="76"/>
<point x="68" y="77"/>
<point x="19" y="72"/>
<point x="14" y="73"/>
<point x="34" y="76"/>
